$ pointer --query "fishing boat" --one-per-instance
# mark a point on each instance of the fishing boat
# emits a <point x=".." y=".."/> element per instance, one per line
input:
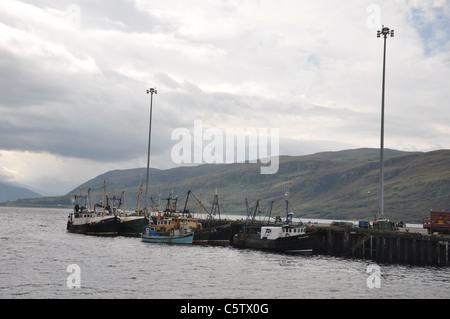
<point x="132" y="224"/>
<point x="84" y="221"/>
<point x="214" y="232"/>
<point x="170" y="230"/>
<point x="91" y="223"/>
<point x="285" y="237"/>
<point x="171" y="226"/>
<point x="151" y="235"/>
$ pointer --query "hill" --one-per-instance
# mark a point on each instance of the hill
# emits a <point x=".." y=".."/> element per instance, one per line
<point x="329" y="185"/>
<point x="10" y="192"/>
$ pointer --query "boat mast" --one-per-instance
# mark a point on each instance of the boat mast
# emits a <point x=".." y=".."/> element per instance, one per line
<point x="124" y="204"/>
<point x="139" y="199"/>
<point x="90" y="203"/>
<point x="104" y="196"/>
<point x="288" y="218"/>
<point x="185" y="203"/>
<point x="215" y="206"/>
<point x="199" y="205"/>
<point x="248" y="212"/>
<point x="254" y="213"/>
<point x="270" y="211"/>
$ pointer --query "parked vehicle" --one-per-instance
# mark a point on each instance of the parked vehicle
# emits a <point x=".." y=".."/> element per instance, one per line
<point x="438" y="222"/>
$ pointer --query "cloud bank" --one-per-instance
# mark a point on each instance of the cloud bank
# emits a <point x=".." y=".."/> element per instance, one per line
<point x="74" y="76"/>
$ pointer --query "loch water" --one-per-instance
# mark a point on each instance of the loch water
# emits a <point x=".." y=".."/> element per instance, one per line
<point x="37" y="257"/>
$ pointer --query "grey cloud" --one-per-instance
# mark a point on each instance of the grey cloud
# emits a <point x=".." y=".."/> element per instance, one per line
<point x="104" y="116"/>
<point x="62" y="113"/>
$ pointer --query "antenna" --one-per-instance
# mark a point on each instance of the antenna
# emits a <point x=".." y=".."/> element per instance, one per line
<point x="288" y="216"/>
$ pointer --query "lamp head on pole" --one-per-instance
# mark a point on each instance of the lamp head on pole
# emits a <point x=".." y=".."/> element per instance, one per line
<point x="385" y="31"/>
<point x="152" y="90"/>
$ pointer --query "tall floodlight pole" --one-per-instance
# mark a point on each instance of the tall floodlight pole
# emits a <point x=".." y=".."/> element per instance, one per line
<point x="150" y="91"/>
<point x="385" y="32"/>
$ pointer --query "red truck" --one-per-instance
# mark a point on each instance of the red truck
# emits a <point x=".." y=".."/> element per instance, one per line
<point x="438" y="222"/>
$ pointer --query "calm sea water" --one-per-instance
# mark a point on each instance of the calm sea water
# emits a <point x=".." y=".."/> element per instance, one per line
<point x="36" y="251"/>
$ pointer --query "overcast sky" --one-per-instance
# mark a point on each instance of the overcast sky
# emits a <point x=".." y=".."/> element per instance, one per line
<point x="74" y="75"/>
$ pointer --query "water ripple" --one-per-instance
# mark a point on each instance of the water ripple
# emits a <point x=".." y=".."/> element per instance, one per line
<point x="36" y="251"/>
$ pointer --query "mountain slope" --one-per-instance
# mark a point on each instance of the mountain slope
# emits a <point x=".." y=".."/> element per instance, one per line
<point x="329" y="185"/>
<point x="11" y="193"/>
<point x="332" y="185"/>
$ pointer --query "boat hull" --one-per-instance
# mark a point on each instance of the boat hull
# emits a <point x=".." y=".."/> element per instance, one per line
<point x="221" y="235"/>
<point x="98" y="226"/>
<point x="201" y="237"/>
<point x="302" y="244"/>
<point x="183" y="239"/>
<point x="132" y="226"/>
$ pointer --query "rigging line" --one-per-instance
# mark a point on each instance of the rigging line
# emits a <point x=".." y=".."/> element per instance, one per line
<point x="201" y="203"/>
<point x="294" y="211"/>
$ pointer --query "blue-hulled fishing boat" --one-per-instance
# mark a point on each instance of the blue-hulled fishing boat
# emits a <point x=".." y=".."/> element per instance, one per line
<point x="171" y="230"/>
<point x="150" y="235"/>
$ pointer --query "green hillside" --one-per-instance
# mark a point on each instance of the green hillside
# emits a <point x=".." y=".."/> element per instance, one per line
<point x="329" y="185"/>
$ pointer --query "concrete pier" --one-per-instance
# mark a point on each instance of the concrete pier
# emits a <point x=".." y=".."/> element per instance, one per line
<point x="383" y="246"/>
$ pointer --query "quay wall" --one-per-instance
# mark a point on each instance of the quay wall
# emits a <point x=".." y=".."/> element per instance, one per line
<point x="383" y="246"/>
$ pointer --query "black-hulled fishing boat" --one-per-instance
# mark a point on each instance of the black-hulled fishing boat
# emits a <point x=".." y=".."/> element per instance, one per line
<point x="214" y="232"/>
<point x="91" y="223"/>
<point x="132" y="224"/>
<point x="285" y="237"/>
<point x="84" y="221"/>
